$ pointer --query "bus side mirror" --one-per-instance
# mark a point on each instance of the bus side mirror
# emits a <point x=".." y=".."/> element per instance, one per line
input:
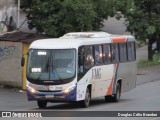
<point x="22" y="61"/>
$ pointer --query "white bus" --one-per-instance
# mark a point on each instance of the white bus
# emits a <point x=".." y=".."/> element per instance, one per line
<point x="80" y="66"/>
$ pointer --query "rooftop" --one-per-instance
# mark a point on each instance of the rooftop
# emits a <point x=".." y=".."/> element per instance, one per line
<point x="22" y="37"/>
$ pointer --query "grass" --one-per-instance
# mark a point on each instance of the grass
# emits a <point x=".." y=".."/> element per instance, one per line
<point x="146" y="63"/>
<point x="140" y="43"/>
<point x="10" y="87"/>
<point x="1" y="86"/>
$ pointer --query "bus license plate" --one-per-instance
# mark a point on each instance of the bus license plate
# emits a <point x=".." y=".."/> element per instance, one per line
<point x="49" y="96"/>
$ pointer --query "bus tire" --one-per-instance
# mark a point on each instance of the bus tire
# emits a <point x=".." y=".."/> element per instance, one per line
<point x="108" y="99"/>
<point x="117" y="95"/>
<point x="86" y="102"/>
<point x="41" y="104"/>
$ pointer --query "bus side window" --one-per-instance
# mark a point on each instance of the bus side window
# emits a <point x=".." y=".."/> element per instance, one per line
<point x="89" y="59"/>
<point x="115" y="53"/>
<point x="131" y="51"/>
<point x="81" y="59"/>
<point x="107" y="53"/>
<point x="123" y="52"/>
<point x="98" y="54"/>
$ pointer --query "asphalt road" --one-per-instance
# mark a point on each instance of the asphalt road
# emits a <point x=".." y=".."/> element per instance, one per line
<point x="145" y="97"/>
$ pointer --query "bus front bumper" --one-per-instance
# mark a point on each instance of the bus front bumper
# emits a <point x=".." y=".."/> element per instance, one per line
<point x="52" y="96"/>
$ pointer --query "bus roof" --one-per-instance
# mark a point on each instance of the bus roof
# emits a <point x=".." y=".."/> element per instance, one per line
<point x="86" y="35"/>
<point x="76" y="39"/>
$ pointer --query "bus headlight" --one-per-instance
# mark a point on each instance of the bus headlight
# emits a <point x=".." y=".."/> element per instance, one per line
<point x="67" y="90"/>
<point x="32" y="90"/>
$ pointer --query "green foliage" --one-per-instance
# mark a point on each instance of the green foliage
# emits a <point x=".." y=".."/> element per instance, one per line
<point x="1" y="86"/>
<point x="142" y="20"/>
<point x="103" y="9"/>
<point x="142" y="16"/>
<point x="77" y="15"/>
<point x="140" y="43"/>
<point x="57" y="17"/>
<point x="146" y="63"/>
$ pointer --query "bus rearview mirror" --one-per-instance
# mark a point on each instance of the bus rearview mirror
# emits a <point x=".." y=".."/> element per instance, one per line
<point x="22" y="61"/>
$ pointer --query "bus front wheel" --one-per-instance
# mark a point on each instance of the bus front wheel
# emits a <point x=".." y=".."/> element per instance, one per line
<point x="42" y="104"/>
<point x="85" y="103"/>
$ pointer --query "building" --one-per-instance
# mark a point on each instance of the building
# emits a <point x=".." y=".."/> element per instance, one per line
<point x="12" y="47"/>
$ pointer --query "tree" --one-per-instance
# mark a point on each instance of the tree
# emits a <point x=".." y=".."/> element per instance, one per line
<point x="57" y="17"/>
<point x="142" y="20"/>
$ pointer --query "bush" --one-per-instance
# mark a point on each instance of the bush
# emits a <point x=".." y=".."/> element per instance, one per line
<point x="146" y="63"/>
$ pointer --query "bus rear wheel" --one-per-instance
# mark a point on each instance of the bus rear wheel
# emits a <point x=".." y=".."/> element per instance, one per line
<point x="86" y="102"/>
<point x="41" y="104"/>
<point x="108" y="99"/>
<point x="117" y="95"/>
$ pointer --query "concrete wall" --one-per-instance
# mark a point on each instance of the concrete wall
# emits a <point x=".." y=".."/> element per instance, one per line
<point x="25" y="51"/>
<point x="10" y="63"/>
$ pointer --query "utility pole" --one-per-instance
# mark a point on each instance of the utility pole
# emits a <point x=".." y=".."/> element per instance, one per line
<point x="18" y="15"/>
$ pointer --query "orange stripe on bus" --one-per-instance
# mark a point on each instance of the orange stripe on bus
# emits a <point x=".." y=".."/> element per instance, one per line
<point x="109" y="92"/>
<point x="115" y="67"/>
<point x="118" y="39"/>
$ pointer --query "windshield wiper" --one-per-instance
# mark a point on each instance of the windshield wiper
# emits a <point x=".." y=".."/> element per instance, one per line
<point x="47" y="65"/>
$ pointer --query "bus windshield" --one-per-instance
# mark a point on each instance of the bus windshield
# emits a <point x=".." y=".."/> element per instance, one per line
<point x="51" y="65"/>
